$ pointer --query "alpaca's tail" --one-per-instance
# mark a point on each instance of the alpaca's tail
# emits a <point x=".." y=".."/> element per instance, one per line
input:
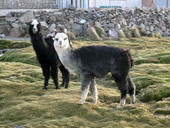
<point x="130" y="58"/>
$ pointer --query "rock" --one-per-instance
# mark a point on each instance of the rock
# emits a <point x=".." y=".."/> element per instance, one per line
<point x="151" y="28"/>
<point x="100" y="31"/>
<point x="97" y="24"/>
<point x="10" y="19"/>
<point x="26" y="17"/>
<point x="127" y="33"/>
<point x="15" y="25"/>
<point x="44" y="24"/>
<point x="71" y="35"/>
<point x="82" y="21"/>
<point x="52" y="18"/>
<point x="117" y="26"/>
<point x="163" y="28"/>
<point x="135" y="32"/>
<point x="77" y="29"/>
<point x="5" y="29"/>
<point x="142" y="31"/>
<point x="58" y="13"/>
<point x="121" y="34"/>
<point x="113" y="34"/>
<point x="2" y="36"/>
<point x="52" y="27"/>
<point x="92" y="34"/>
<point x="15" y="32"/>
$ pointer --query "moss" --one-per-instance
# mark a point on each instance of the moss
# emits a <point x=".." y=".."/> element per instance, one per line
<point x="155" y="92"/>
<point x="25" y="55"/>
<point x="162" y="111"/>
<point x="71" y="35"/>
<point x="127" y="33"/>
<point x="162" y="104"/>
<point x="93" y="34"/>
<point x="8" y="44"/>
<point x="142" y="31"/>
<point x="121" y="34"/>
<point x="135" y="32"/>
<point x="100" y="31"/>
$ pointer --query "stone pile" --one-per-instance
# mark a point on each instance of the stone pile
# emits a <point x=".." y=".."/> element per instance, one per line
<point x="80" y="21"/>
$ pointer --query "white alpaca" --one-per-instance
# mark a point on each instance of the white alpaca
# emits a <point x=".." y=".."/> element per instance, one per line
<point x="96" y="61"/>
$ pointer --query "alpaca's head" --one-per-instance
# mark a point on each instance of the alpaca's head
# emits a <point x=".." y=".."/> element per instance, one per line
<point x="35" y="27"/>
<point x="61" y="41"/>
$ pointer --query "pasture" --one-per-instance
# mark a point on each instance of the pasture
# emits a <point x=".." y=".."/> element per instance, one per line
<point x="24" y="104"/>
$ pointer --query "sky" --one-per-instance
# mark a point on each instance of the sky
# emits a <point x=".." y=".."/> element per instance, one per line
<point x="162" y="3"/>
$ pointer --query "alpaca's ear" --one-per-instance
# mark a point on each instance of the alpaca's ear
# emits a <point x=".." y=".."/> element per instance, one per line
<point x="65" y="31"/>
<point x="70" y="44"/>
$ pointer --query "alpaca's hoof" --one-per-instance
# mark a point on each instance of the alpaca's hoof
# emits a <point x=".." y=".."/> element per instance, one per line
<point x="45" y="88"/>
<point x="66" y="87"/>
<point x="57" y="88"/>
<point x="80" y="103"/>
<point x="119" y="106"/>
<point x="62" y="85"/>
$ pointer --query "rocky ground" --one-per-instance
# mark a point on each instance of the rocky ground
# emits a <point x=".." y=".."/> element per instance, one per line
<point x="108" y="23"/>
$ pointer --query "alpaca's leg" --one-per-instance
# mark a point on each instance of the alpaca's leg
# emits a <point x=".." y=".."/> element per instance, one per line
<point x="46" y="73"/>
<point x="65" y="75"/>
<point x="85" y="81"/>
<point x="94" y="91"/>
<point x="132" y="90"/>
<point x="54" y="74"/>
<point x="123" y="87"/>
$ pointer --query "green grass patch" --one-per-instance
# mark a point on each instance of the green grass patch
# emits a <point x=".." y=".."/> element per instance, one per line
<point x="8" y="44"/>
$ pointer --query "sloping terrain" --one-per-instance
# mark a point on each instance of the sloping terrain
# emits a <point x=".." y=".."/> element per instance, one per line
<point x="24" y="104"/>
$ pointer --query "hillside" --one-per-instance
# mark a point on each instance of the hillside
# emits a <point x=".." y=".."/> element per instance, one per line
<point x="24" y="104"/>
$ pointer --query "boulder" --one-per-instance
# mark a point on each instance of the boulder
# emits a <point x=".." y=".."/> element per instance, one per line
<point x="113" y="34"/>
<point x="15" y="32"/>
<point x="26" y="17"/>
<point x="77" y="28"/>
<point x="100" y="31"/>
<point x="15" y="25"/>
<point x="10" y="18"/>
<point x="121" y="34"/>
<point x="52" y="27"/>
<point x="2" y="36"/>
<point x="92" y="34"/>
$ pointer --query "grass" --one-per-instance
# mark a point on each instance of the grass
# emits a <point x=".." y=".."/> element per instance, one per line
<point x="23" y="103"/>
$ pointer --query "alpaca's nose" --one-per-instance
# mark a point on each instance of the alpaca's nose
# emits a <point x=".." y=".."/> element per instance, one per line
<point x="34" y="29"/>
<point x="60" y="42"/>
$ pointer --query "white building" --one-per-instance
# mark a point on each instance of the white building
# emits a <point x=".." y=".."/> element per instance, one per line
<point x="99" y="3"/>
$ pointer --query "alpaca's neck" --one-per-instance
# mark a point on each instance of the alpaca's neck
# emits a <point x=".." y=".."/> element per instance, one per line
<point x="39" y="43"/>
<point x="68" y="59"/>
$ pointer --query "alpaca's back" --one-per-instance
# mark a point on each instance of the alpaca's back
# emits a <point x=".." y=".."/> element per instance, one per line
<point x="103" y="59"/>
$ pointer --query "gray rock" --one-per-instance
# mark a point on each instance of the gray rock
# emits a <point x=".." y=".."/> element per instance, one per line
<point x="117" y="26"/>
<point x="58" y="13"/>
<point x="15" y="32"/>
<point x="15" y="25"/>
<point x="10" y="19"/>
<point x="26" y="17"/>
<point x="77" y="29"/>
<point x="44" y="24"/>
<point x="163" y="28"/>
<point x="2" y="36"/>
<point x="52" y="27"/>
<point x="151" y="28"/>
<point x="113" y="34"/>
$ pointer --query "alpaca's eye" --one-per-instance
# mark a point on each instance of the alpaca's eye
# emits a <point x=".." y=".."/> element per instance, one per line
<point x="65" y="38"/>
<point x="56" y="39"/>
